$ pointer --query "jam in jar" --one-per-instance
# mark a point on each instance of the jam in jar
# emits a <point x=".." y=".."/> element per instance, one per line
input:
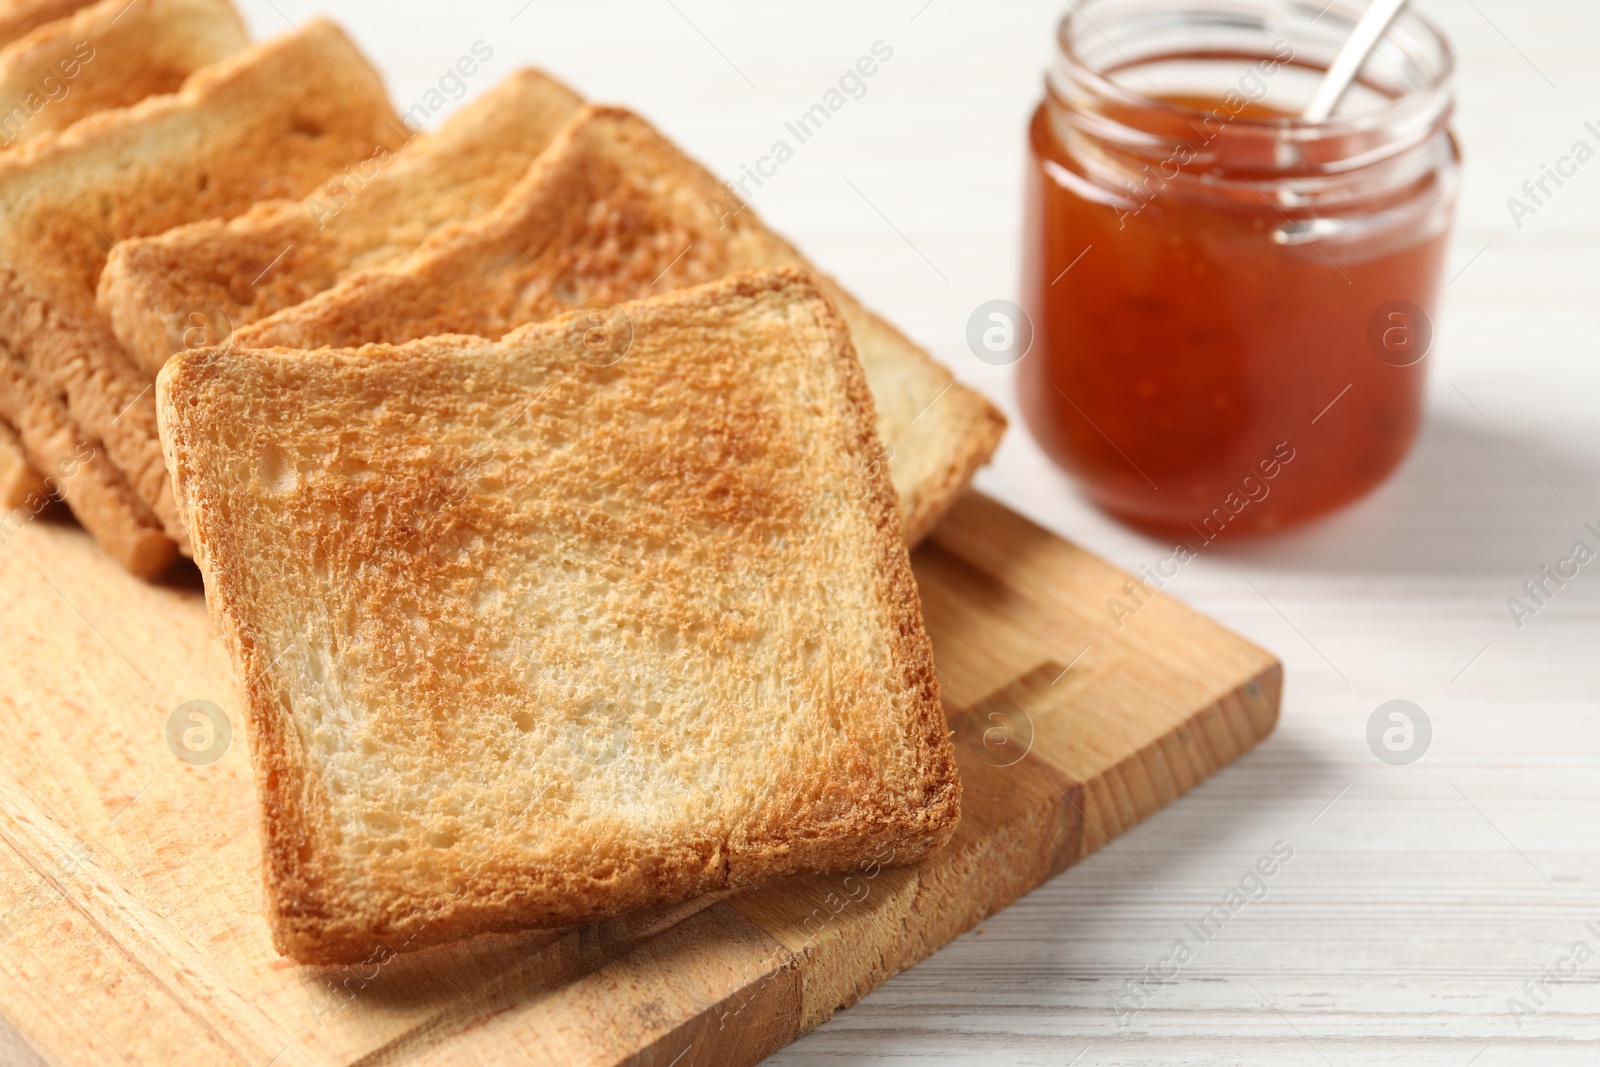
<point x="1232" y="306"/>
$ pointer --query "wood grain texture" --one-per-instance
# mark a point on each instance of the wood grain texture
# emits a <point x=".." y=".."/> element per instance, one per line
<point x="129" y="880"/>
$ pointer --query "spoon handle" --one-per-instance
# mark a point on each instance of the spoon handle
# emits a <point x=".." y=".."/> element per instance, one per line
<point x="1368" y="32"/>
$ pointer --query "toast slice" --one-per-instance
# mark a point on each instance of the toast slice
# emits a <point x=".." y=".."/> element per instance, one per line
<point x="145" y="48"/>
<point x="529" y="637"/>
<point x="20" y="484"/>
<point x="281" y="253"/>
<point x="271" y="122"/>
<point x="79" y="474"/>
<point x="109" y="55"/>
<point x="20" y="17"/>
<point x="612" y="212"/>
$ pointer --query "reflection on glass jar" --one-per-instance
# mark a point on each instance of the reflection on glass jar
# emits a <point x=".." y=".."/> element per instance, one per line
<point x="1232" y="307"/>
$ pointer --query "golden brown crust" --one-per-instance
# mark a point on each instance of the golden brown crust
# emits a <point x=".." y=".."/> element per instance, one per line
<point x="19" y="17"/>
<point x="271" y="122"/>
<point x="914" y="648"/>
<point x="729" y="459"/>
<point x="78" y="472"/>
<point x="109" y="55"/>
<point x="981" y="426"/>
<point x="233" y="273"/>
<point x="19" y="485"/>
<point x="613" y="211"/>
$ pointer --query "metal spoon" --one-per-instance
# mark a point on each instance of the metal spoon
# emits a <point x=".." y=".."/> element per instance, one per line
<point x="1352" y="57"/>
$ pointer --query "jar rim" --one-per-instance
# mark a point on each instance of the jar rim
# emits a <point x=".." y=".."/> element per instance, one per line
<point x="1392" y="108"/>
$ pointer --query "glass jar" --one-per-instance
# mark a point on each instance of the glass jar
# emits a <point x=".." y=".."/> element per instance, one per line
<point x="1231" y="305"/>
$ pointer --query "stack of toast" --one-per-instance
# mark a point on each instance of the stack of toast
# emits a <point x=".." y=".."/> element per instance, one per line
<point x="555" y="511"/>
<point x="63" y="60"/>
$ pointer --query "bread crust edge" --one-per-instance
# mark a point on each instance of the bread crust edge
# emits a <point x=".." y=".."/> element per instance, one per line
<point x="310" y="911"/>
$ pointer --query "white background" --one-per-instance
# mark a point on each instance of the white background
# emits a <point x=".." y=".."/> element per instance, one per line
<point x="1423" y="898"/>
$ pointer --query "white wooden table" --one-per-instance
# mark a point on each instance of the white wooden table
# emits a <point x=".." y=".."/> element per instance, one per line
<point x="1420" y="898"/>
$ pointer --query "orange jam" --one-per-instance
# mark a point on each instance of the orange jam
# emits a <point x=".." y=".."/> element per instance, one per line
<point x="1230" y="307"/>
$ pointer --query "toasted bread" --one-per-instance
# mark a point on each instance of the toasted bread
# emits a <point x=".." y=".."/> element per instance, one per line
<point x="19" y="482"/>
<point x="78" y="473"/>
<point x="20" y="17"/>
<point x="109" y="55"/>
<point x="272" y="122"/>
<point x="144" y="48"/>
<point x="613" y="211"/>
<point x="529" y="637"/>
<point x="284" y="252"/>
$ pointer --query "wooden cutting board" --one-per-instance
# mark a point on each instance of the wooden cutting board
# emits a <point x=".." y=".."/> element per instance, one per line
<point x="130" y="903"/>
